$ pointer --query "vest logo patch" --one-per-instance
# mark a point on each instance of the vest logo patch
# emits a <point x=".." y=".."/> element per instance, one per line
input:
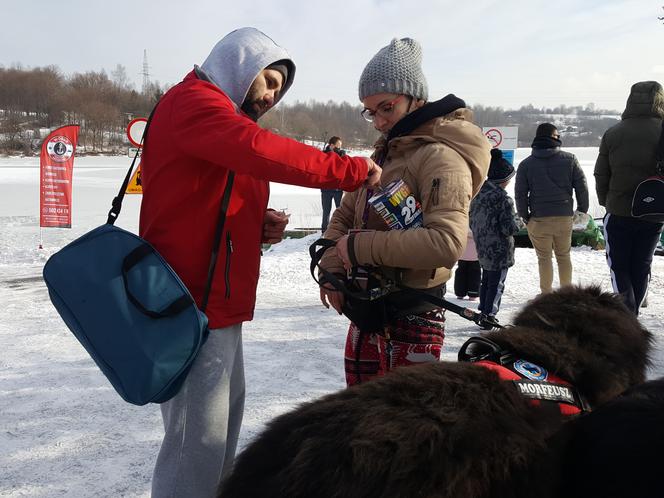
<point x="550" y="392"/>
<point x="530" y="370"/>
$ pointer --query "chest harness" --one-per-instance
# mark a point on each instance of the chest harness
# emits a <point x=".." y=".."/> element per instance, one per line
<point x="542" y="388"/>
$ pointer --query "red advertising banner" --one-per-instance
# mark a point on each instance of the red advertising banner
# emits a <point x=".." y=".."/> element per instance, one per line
<point x="56" y="166"/>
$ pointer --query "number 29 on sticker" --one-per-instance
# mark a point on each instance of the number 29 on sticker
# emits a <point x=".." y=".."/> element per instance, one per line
<point x="409" y="210"/>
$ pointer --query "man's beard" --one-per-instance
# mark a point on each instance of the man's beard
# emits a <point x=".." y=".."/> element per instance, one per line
<point x="250" y="110"/>
<point x="250" y="105"/>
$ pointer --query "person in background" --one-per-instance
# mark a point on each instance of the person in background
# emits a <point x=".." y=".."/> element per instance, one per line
<point x="442" y="157"/>
<point x="493" y="222"/>
<point x="468" y="274"/>
<point x="626" y="158"/>
<point x="327" y="195"/>
<point x="543" y="193"/>
<point x="203" y="141"/>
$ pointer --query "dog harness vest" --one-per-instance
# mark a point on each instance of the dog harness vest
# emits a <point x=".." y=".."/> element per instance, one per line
<point x="554" y="389"/>
<point x="532" y="381"/>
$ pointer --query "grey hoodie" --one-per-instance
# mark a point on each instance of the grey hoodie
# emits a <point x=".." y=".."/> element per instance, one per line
<point x="239" y="57"/>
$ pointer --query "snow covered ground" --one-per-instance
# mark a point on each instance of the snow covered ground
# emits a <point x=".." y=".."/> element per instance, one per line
<point x="64" y="431"/>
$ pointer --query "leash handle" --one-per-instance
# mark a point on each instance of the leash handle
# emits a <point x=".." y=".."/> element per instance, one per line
<point x="318" y="248"/>
<point x="316" y="251"/>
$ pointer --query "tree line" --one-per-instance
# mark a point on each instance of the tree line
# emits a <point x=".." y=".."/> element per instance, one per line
<point x="32" y="100"/>
<point x="38" y="99"/>
<point x="580" y="126"/>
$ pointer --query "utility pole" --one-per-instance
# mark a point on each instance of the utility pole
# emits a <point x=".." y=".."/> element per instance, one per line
<point x="146" y="72"/>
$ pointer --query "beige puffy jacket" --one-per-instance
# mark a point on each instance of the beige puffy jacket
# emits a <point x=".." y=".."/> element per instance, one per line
<point x="444" y="162"/>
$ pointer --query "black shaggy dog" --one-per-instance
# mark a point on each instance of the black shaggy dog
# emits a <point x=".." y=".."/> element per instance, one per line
<point x="451" y="429"/>
<point x="616" y="451"/>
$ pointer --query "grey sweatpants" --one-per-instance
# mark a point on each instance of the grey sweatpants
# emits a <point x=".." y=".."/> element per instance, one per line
<point x="202" y="422"/>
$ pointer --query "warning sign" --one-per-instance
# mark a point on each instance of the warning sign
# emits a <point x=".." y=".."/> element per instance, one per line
<point x="502" y="137"/>
<point x="135" y="186"/>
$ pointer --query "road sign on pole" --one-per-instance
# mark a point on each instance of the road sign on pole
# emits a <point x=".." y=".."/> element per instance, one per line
<point x="135" y="130"/>
<point x="502" y="137"/>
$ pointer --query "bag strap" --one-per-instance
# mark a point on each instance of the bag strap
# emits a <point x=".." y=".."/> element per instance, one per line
<point x="116" y="205"/>
<point x="221" y="221"/>
<point x="659" y="154"/>
<point x="131" y="260"/>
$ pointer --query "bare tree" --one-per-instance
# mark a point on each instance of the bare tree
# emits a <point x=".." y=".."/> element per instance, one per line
<point x="120" y="78"/>
<point x="11" y="130"/>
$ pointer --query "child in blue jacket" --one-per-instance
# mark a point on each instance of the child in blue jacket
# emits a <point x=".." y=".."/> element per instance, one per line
<point x="494" y="224"/>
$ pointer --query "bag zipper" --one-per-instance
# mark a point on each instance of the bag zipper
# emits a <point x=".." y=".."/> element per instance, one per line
<point x="227" y="273"/>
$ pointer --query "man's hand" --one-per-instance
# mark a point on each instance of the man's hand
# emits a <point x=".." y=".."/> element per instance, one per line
<point x="373" y="175"/>
<point x="333" y="297"/>
<point x="342" y="252"/>
<point x="274" y="224"/>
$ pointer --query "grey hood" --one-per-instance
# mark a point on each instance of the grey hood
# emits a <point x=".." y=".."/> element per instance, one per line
<point x="239" y="57"/>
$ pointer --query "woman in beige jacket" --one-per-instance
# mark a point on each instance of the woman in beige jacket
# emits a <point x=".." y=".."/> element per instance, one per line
<point x="443" y="159"/>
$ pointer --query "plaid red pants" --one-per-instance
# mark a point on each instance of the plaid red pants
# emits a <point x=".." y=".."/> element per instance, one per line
<point x="408" y="340"/>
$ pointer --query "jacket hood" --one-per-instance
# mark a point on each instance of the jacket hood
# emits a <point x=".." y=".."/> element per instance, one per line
<point x="545" y="152"/>
<point x="426" y="113"/>
<point x="445" y="121"/>
<point x="457" y="131"/>
<point x="239" y="57"/>
<point x="646" y="99"/>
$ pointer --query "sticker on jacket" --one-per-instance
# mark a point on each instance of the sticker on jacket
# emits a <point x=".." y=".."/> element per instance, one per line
<point x="397" y="205"/>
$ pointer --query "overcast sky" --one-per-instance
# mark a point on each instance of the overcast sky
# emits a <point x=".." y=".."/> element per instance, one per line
<point x="506" y="53"/>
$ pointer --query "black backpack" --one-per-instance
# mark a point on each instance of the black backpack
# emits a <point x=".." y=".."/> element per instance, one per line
<point x="648" y="199"/>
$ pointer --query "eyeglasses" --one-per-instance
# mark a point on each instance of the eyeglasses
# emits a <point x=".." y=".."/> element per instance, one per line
<point x="384" y="110"/>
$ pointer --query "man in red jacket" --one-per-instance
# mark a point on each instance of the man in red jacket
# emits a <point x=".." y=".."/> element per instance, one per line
<point x="203" y="129"/>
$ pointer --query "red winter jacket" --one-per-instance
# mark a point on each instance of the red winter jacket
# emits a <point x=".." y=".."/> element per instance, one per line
<point x="196" y="136"/>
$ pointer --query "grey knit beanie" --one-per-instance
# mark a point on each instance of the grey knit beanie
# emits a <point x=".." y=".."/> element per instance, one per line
<point x="396" y="68"/>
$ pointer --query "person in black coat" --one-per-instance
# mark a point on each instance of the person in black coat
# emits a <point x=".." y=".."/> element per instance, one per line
<point x="627" y="156"/>
<point x="329" y="195"/>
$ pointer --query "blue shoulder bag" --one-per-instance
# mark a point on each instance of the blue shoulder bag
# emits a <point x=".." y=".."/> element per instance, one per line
<point x="128" y="308"/>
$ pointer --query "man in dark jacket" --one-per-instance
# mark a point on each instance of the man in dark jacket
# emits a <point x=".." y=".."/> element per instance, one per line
<point x="543" y="194"/>
<point x="202" y="130"/>
<point x="627" y="157"/>
<point x="327" y="195"/>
